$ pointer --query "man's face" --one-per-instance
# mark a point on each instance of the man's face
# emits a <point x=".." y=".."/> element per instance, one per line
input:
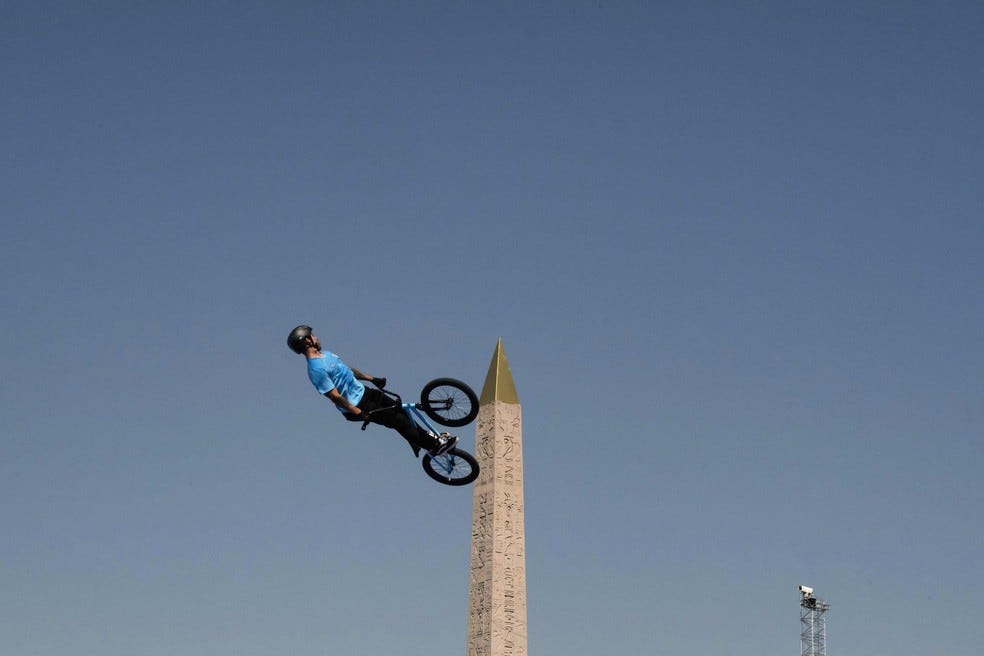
<point x="315" y="341"/>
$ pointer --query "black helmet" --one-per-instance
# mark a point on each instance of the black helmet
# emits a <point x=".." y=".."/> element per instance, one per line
<point x="297" y="339"/>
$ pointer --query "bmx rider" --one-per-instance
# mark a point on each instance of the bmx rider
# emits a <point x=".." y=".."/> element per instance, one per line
<point x="342" y="385"/>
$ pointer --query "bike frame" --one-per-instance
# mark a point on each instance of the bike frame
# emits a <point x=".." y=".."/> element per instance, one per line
<point x="454" y="466"/>
<point x="419" y="417"/>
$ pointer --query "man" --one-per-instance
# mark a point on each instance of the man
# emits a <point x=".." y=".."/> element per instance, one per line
<point x="341" y="385"/>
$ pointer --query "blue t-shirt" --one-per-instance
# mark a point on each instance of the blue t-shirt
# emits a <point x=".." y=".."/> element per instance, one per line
<point x="329" y="372"/>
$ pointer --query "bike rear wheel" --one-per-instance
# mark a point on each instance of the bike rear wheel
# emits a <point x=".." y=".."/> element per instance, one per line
<point x="456" y="467"/>
<point x="449" y="402"/>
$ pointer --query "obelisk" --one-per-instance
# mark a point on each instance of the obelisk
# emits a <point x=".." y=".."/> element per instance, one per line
<point x="497" y="597"/>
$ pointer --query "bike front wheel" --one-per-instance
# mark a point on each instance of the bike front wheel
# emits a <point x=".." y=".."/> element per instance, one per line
<point x="449" y="402"/>
<point x="456" y="467"/>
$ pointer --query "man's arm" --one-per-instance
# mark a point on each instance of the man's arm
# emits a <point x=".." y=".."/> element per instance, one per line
<point x="360" y="376"/>
<point x="378" y="382"/>
<point x="336" y="397"/>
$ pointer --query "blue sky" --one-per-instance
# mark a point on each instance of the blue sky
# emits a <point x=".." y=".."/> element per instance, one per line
<point x="733" y="253"/>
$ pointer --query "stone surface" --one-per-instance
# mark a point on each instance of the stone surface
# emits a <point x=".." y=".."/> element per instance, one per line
<point x="497" y="597"/>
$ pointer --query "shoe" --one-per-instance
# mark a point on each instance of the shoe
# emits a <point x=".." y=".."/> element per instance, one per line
<point x="446" y="442"/>
<point x="437" y="442"/>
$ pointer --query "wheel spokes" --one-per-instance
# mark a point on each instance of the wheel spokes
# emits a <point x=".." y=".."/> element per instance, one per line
<point x="452" y="467"/>
<point x="449" y="401"/>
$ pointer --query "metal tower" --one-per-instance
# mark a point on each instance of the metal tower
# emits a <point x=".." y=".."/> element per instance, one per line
<point x="813" y="623"/>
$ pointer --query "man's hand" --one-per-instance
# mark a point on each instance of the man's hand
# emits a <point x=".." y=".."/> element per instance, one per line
<point x="336" y="397"/>
<point x="379" y="382"/>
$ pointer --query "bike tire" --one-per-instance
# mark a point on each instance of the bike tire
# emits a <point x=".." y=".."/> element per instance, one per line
<point x="456" y="467"/>
<point x="449" y="402"/>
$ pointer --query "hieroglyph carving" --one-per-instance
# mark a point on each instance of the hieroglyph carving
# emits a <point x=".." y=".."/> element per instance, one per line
<point x="497" y="598"/>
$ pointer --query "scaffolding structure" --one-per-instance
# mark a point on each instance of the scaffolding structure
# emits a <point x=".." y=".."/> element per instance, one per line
<point x="813" y="623"/>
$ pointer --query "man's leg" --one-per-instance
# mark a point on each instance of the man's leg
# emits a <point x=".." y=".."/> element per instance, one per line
<point x="395" y="417"/>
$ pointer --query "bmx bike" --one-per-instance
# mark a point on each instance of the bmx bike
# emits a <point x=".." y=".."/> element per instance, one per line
<point x="448" y="402"/>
